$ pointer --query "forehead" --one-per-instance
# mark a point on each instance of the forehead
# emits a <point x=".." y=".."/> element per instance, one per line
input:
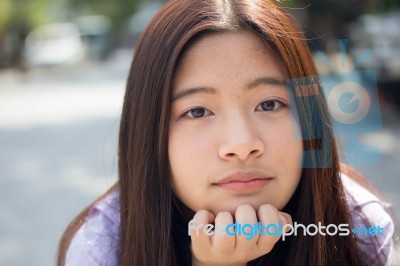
<point x="224" y="42"/>
<point x="240" y="54"/>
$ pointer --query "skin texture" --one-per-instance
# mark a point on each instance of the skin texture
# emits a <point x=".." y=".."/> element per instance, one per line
<point x="234" y="133"/>
<point x="239" y="122"/>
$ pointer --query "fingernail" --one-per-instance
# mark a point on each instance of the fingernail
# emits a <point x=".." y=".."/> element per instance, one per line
<point x="283" y="218"/>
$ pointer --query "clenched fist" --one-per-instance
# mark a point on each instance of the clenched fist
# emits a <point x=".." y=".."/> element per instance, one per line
<point x="233" y="249"/>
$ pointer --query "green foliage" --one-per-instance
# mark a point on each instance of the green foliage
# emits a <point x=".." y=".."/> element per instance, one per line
<point x="28" y="13"/>
<point x="5" y="12"/>
<point x="32" y="13"/>
<point x="36" y="12"/>
<point x="116" y="10"/>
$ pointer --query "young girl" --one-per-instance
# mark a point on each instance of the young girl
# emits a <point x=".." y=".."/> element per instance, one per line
<point x="207" y="137"/>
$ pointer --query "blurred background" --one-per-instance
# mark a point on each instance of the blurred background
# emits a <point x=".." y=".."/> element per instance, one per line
<point x="63" y="69"/>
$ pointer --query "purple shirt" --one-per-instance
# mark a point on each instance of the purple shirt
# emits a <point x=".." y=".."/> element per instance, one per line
<point x="96" y="242"/>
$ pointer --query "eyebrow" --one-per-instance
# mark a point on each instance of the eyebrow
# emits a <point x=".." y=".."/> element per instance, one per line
<point x="190" y="91"/>
<point x="208" y="90"/>
<point x="266" y="81"/>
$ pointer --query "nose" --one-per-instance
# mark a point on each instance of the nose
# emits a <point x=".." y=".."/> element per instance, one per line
<point x="240" y="141"/>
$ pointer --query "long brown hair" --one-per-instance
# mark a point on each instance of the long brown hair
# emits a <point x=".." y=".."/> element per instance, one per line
<point x="152" y="229"/>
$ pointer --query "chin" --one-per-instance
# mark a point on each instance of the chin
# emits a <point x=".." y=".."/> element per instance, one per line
<point x="232" y="204"/>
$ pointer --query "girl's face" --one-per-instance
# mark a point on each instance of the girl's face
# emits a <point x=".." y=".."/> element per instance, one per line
<point x="231" y="137"/>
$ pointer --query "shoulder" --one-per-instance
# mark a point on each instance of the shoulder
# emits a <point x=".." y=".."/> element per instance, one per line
<point x="96" y="241"/>
<point x="369" y="210"/>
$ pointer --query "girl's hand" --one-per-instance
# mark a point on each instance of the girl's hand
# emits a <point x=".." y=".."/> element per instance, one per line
<point x="223" y="249"/>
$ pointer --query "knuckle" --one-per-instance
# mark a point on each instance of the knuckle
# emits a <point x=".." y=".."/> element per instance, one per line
<point x="223" y="216"/>
<point x="245" y="206"/>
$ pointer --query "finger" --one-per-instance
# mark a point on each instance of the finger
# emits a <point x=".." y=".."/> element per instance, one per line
<point x="269" y="217"/>
<point x="222" y="241"/>
<point x="197" y="228"/>
<point x="286" y="220"/>
<point x="246" y="235"/>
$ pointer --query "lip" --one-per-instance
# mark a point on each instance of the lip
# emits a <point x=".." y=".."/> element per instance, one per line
<point x="243" y="181"/>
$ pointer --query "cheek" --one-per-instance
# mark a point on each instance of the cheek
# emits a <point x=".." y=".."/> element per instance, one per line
<point x="186" y="151"/>
<point x="190" y="146"/>
<point x="188" y="170"/>
<point x="286" y="146"/>
<point x="286" y="152"/>
<point x="288" y="159"/>
<point x="188" y="155"/>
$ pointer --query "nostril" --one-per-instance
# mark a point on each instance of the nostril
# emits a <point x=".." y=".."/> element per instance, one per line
<point x="241" y="151"/>
<point x="254" y="151"/>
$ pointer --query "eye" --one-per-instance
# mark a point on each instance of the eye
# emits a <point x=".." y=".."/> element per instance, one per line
<point x="271" y="106"/>
<point x="196" y="113"/>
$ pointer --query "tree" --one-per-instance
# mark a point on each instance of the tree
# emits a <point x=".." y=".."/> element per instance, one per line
<point x="117" y="10"/>
<point x="17" y="18"/>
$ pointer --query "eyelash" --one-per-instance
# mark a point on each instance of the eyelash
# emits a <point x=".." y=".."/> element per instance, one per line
<point x="186" y="114"/>
<point x="281" y="105"/>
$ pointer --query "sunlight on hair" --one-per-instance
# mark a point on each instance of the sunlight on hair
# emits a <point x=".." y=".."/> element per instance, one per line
<point x="224" y="7"/>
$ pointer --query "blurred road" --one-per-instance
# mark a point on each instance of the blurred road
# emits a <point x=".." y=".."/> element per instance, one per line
<point x="58" y="139"/>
